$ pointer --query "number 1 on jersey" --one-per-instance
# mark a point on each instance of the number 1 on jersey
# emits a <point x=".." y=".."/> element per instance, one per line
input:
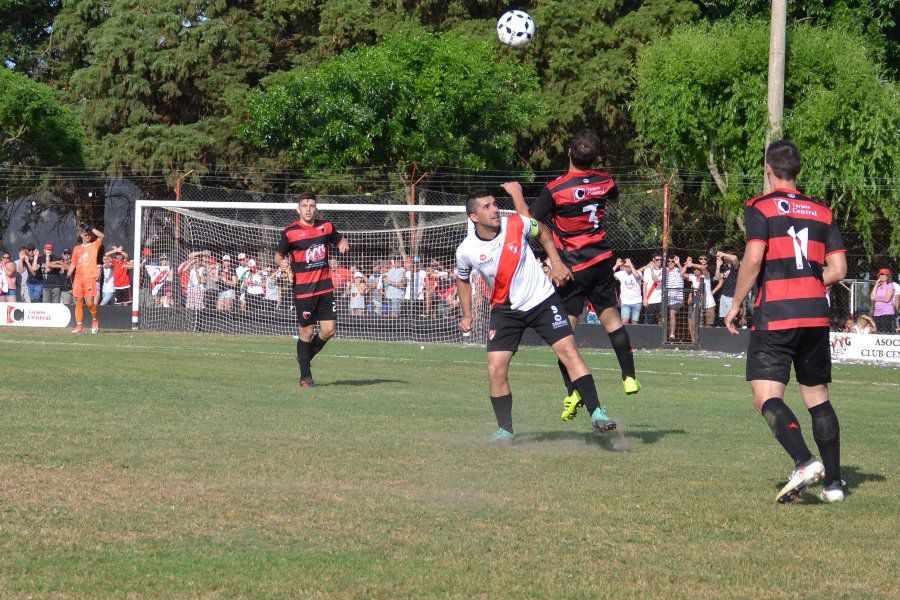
<point x="592" y="208"/>
<point x="801" y="245"/>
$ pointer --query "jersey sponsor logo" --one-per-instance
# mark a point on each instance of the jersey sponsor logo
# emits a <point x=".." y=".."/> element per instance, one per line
<point x="786" y="207"/>
<point x="481" y="257"/>
<point x="315" y="253"/>
<point x="484" y="263"/>
<point x="579" y="193"/>
<point x="586" y="180"/>
<point x="492" y="333"/>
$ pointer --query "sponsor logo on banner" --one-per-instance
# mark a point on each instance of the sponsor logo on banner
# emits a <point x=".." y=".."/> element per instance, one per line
<point x="36" y="315"/>
<point x="865" y="347"/>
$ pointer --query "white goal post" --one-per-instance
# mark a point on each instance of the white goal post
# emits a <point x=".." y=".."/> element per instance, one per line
<point x="182" y="283"/>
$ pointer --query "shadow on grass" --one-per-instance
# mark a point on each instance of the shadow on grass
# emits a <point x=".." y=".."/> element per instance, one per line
<point x="358" y="382"/>
<point x="614" y="441"/>
<point x="852" y="476"/>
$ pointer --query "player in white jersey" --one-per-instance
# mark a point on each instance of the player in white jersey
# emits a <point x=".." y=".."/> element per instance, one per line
<point x="521" y="297"/>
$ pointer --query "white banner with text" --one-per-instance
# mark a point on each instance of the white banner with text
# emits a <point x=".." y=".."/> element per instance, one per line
<point x="866" y="347"/>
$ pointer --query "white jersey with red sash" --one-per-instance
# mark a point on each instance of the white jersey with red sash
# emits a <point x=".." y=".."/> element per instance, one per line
<point x="507" y="264"/>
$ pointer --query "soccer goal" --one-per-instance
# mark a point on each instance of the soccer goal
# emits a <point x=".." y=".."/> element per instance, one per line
<point x="209" y="267"/>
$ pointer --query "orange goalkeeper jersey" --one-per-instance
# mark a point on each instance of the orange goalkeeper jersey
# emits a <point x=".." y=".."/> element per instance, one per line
<point x="85" y="258"/>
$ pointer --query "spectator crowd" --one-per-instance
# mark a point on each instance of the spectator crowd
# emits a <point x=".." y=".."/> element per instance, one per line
<point x="688" y="292"/>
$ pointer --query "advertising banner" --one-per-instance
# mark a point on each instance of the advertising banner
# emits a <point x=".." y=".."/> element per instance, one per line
<point x="865" y="347"/>
<point x="21" y="314"/>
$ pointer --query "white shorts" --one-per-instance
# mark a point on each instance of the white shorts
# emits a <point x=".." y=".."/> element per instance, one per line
<point x="725" y="305"/>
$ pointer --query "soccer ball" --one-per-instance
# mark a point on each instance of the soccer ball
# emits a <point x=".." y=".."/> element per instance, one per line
<point x="515" y="28"/>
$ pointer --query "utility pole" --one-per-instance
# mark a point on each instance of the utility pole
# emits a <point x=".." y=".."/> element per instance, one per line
<point x="776" y="76"/>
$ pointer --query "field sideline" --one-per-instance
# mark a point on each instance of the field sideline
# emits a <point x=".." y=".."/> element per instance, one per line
<point x="159" y="465"/>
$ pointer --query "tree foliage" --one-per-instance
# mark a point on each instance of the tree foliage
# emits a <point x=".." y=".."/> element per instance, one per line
<point x="700" y="104"/>
<point x="439" y="99"/>
<point x="35" y="130"/>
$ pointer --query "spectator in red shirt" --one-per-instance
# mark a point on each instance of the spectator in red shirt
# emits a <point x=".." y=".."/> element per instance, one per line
<point x="121" y="276"/>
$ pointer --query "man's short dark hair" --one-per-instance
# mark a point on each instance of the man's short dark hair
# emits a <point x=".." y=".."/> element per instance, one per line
<point x="306" y="196"/>
<point x="30" y="247"/>
<point x="471" y="201"/>
<point x="584" y="149"/>
<point x="784" y="159"/>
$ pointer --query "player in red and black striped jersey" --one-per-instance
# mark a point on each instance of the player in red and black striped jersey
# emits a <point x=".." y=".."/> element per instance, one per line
<point x="306" y="245"/>
<point x="794" y="251"/>
<point x="573" y="206"/>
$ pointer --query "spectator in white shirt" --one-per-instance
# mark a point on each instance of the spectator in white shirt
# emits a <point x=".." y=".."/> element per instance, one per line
<point x="630" y="290"/>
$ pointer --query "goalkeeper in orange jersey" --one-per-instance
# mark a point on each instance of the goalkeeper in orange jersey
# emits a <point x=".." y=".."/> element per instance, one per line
<point x="84" y="285"/>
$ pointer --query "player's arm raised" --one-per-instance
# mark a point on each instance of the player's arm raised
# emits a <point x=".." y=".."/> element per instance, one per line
<point x="559" y="272"/>
<point x="97" y="234"/>
<point x="514" y="189"/>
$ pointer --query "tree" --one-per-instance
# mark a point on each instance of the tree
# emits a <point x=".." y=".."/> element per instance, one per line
<point x="26" y="33"/>
<point x="874" y="22"/>
<point x="36" y="133"/>
<point x="437" y="99"/>
<point x="700" y="105"/>
<point x="35" y="130"/>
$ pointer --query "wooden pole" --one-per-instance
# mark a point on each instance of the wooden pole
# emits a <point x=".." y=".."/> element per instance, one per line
<point x="777" y="45"/>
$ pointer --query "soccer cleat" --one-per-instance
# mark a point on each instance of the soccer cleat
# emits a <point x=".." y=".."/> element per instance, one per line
<point x="571" y="403"/>
<point x="502" y="437"/>
<point x="631" y="386"/>
<point x="833" y="492"/>
<point x="77" y="329"/>
<point x="810" y="472"/>
<point x="95" y="327"/>
<point x="600" y="421"/>
<point x="307" y="382"/>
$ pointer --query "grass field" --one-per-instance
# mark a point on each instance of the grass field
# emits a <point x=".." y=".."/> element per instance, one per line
<point x="156" y="465"/>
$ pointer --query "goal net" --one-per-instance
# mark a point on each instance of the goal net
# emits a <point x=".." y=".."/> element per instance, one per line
<point x="208" y="266"/>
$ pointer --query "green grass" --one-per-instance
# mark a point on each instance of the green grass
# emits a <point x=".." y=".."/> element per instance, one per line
<point x="175" y="465"/>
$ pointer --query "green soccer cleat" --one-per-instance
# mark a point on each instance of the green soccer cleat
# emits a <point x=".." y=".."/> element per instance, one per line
<point x="571" y="403"/>
<point x="631" y="386"/>
<point x="600" y="421"/>
<point x="502" y="437"/>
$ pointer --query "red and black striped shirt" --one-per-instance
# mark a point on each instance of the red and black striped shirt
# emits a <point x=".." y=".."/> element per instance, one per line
<point x="799" y="233"/>
<point x="308" y="247"/>
<point x="575" y="204"/>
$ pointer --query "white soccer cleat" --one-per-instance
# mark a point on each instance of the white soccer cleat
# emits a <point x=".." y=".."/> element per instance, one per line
<point x="833" y="492"/>
<point x="810" y="472"/>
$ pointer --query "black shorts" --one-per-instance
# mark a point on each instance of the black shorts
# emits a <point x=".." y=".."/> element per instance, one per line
<point x="315" y="308"/>
<point x="771" y="353"/>
<point x="548" y="319"/>
<point x="596" y="283"/>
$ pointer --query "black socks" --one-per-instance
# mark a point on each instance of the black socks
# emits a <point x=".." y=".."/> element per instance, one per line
<point x="588" y="391"/>
<point x="621" y="343"/>
<point x="303" y="357"/>
<point x="566" y="379"/>
<point x="784" y="425"/>
<point x="827" y="433"/>
<point x="316" y="344"/>
<point x="503" y="411"/>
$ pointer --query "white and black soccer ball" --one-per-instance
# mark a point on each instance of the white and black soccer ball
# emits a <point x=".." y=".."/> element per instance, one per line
<point x="515" y="28"/>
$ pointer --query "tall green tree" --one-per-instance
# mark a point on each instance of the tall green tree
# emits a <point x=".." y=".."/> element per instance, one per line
<point x="438" y="99"/>
<point x="35" y="129"/>
<point x="26" y="34"/>
<point x="873" y="22"/>
<point x="700" y="105"/>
